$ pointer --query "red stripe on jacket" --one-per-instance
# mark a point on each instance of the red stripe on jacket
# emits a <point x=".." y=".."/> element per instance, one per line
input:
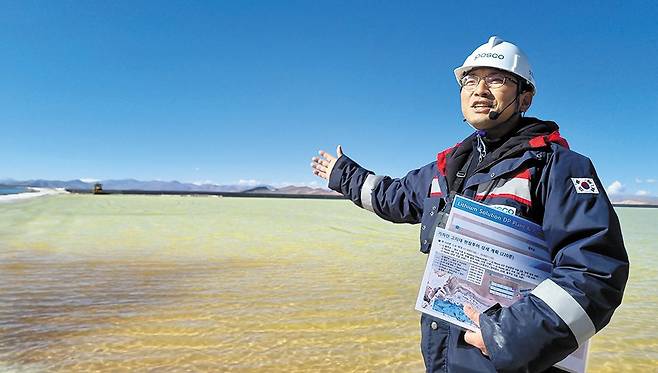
<point x="544" y="140"/>
<point x="442" y="160"/>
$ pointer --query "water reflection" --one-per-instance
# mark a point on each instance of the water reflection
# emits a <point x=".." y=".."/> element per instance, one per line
<point x="148" y="283"/>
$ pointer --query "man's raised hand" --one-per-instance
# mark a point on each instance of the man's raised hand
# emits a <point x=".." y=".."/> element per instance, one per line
<point x="323" y="165"/>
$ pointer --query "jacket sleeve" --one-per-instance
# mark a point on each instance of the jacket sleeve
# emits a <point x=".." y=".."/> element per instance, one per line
<point x="397" y="200"/>
<point x="590" y="270"/>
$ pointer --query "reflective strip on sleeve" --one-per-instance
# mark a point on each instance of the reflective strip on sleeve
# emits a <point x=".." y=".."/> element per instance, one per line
<point x="567" y="308"/>
<point x="366" y="191"/>
<point x="435" y="189"/>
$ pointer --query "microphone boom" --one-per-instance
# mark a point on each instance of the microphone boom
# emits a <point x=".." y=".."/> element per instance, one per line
<point x="493" y="114"/>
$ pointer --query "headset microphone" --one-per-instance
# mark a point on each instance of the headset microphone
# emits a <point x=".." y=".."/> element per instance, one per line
<point x="493" y="115"/>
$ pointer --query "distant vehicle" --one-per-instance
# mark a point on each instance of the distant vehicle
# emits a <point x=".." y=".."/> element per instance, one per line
<point x="98" y="189"/>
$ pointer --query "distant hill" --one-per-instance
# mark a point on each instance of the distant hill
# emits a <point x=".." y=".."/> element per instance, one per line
<point x="634" y="200"/>
<point x="165" y="186"/>
<point x="291" y="189"/>
<point x="260" y="189"/>
<point x="623" y="199"/>
<point x="172" y="186"/>
<point x="73" y="184"/>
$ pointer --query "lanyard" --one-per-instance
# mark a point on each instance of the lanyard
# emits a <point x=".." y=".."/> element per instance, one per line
<point x="460" y="176"/>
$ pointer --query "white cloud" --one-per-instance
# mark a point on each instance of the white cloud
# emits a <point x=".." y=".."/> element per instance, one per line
<point x="638" y="180"/>
<point x="642" y="193"/>
<point x="650" y="181"/>
<point x="89" y="180"/>
<point x="615" y="188"/>
<point x="249" y="182"/>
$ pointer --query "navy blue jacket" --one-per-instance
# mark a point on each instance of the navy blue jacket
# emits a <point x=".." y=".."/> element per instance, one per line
<point x="532" y="174"/>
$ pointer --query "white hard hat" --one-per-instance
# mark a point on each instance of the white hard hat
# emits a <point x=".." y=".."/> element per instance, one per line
<point x="498" y="54"/>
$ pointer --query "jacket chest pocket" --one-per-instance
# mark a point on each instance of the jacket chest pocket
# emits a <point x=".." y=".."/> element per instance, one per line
<point x="432" y="207"/>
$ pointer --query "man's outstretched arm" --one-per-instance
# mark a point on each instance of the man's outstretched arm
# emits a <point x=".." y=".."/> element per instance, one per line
<point x="397" y="200"/>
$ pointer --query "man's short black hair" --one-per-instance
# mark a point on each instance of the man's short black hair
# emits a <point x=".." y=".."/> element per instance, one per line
<point x="525" y="86"/>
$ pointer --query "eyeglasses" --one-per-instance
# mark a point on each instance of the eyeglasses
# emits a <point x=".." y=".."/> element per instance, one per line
<point x="493" y="81"/>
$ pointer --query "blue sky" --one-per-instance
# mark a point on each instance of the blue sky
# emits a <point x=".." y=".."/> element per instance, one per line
<point x="248" y="91"/>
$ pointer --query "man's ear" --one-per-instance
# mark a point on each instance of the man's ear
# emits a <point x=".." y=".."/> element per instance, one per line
<point x="526" y="101"/>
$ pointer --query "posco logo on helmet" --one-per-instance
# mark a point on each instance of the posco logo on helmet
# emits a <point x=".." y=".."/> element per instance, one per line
<point x="489" y="55"/>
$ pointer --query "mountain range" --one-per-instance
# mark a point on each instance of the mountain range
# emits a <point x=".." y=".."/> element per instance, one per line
<point x="176" y="186"/>
<point x="168" y="186"/>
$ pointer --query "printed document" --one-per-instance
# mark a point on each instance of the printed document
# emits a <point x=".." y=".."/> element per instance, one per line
<point x="485" y="256"/>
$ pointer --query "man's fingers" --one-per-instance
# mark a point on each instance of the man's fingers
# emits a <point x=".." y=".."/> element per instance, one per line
<point x="320" y="170"/>
<point x="470" y="338"/>
<point x="326" y="155"/>
<point x="475" y="339"/>
<point x="472" y="314"/>
<point x="321" y="174"/>
<point x="323" y="164"/>
<point x="319" y="167"/>
<point x="316" y="160"/>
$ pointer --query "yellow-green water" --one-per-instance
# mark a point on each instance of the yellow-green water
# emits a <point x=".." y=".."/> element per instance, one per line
<point x="146" y="283"/>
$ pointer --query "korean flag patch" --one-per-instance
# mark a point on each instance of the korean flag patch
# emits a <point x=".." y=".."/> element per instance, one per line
<point x="584" y="185"/>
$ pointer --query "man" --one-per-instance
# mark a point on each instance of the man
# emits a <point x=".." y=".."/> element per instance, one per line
<point x="522" y="166"/>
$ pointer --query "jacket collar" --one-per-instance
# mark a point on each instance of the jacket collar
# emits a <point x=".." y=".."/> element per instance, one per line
<point x="531" y="133"/>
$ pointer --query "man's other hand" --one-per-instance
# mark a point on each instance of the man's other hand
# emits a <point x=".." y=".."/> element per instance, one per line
<point x="474" y="338"/>
<point x="323" y="165"/>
